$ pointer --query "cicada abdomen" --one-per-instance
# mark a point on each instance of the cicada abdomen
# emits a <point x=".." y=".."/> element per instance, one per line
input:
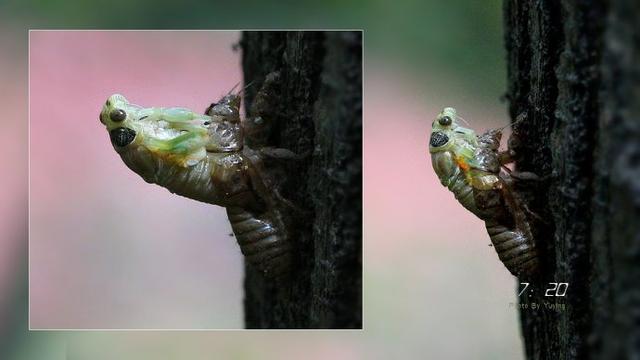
<point x="261" y="241"/>
<point x="515" y="249"/>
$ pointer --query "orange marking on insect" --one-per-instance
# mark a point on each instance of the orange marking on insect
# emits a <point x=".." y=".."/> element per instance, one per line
<point x="462" y="163"/>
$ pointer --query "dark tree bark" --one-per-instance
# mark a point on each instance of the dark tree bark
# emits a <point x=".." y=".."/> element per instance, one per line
<point x="318" y="114"/>
<point x="573" y="71"/>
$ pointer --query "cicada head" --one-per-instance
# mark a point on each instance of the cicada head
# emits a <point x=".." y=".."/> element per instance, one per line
<point x="142" y="136"/>
<point x="445" y="130"/>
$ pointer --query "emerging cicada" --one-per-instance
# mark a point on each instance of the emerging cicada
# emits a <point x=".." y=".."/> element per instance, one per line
<point x="208" y="158"/>
<point x="472" y="167"/>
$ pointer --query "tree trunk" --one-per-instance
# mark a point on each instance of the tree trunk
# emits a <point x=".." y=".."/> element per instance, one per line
<point x="318" y="114"/>
<point x="573" y="71"/>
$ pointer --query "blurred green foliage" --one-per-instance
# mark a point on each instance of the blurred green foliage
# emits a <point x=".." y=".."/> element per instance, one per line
<point x="462" y="38"/>
<point x="16" y="342"/>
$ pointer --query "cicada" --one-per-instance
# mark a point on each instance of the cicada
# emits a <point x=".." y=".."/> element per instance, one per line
<point x="473" y="168"/>
<point x="207" y="157"/>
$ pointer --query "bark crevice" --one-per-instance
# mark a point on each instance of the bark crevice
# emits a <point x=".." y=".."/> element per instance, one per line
<point x="573" y="71"/>
<point x="317" y="114"/>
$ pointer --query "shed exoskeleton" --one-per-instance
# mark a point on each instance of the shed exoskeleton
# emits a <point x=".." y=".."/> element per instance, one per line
<point x="205" y="157"/>
<point x="472" y="167"/>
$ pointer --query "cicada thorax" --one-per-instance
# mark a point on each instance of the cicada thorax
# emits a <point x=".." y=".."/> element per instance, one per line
<point x="227" y="107"/>
<point x="224" y="136"/>
<point x="224" y="129"/>
<point x="451" y="175"/>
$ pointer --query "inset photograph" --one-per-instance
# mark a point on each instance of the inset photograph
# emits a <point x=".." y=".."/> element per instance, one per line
<point x="195" y="179"/>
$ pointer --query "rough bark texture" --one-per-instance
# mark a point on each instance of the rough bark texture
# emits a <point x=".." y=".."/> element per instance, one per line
<point x="317" y="113"/>
<point x="573" y="71"/>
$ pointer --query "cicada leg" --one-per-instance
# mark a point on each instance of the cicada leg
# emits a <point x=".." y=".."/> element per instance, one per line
<point x="527" y="176"/>
<point x="257" y="129"/>
<point x="259" y="123"/>
<point x="523" y="175"/>
<point x="509" y="156"/>
<point x="490" y="139"/>
<point x="270" y="251"/>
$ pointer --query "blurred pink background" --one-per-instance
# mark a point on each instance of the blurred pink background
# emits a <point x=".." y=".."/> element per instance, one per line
<point x="430" y="277"/>
<point x="108" y="250"/>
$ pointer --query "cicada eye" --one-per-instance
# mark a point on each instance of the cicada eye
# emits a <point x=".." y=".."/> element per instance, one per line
<point x="117" y="115"/>
<point x="438" y="139"/>
<point x="121" y="137"/>
<point x="445" y="121"/>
